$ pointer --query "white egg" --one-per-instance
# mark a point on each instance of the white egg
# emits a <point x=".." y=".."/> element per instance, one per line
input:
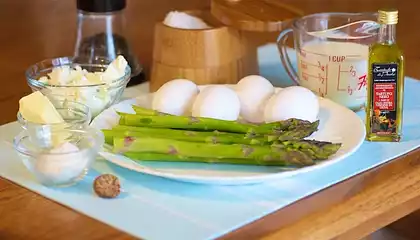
<point x="175" y="97"/>
<point x="219" y="102"/>
<point x="253" y="92"/>
<point x="292" y="102"/>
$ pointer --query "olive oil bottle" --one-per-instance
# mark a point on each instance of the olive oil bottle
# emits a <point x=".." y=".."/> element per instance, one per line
<point x="385" y="84"/>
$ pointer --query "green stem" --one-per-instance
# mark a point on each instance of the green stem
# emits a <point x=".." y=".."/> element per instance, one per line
<point x="209" y="124"/>
<point x="147" y="112"/>
<point x="161" y="157"/>
<point x="184" y="135"/>
<point x="205" y="150"/>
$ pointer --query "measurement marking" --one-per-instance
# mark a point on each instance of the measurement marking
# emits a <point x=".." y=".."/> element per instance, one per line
<point x="349" y="90"/>
<point x="351" y="56"/>
<point x="308" y="63"/>
<point x="319" y="54"/>
<point x="305" y="65"/>
<point x="338" y="79"/>
<point x="352" y="72"/>
<point x="326" y="79"/>
<point x="310" y="75"/>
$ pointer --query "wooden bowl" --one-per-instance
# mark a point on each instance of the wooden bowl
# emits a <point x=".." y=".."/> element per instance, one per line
<point x="218" y="55"/>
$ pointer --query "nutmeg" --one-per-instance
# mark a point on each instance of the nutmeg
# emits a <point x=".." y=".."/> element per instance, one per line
<point x="107" y="186"/>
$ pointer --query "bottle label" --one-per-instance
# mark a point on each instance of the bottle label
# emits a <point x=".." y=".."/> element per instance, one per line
<point x="384" y="98"/>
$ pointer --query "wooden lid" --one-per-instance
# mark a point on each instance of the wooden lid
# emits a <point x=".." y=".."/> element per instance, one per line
<point x="254" y="15"/>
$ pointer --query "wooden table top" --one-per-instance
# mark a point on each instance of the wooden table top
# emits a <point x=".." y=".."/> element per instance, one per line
<point x="35" y="30"/>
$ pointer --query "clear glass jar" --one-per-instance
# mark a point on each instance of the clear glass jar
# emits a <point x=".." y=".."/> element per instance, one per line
<point x="101" y="33"/>
<point x="65" y="164"/>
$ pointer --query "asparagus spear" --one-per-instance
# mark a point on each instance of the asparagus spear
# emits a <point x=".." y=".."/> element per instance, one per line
<point x="312" y="148"/>
<point x="318" y="150"/>
<point x="208" y="124"/>
<point x="209" y="137"/>
<point x="220" y="151"/>
<point x="147" y="112"/>
<point x="298" y="132"/>
<point x="279" y="127"/>
<point x="181" y="122"/>
<point x="184" y="135"/>
<point x="178" y="158"/>
<point x="270" y="127"/>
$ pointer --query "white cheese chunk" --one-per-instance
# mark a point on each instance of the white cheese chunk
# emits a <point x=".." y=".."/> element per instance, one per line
<point x="115" y="70"/>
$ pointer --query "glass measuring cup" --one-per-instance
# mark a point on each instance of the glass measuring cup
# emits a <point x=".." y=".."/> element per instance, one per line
<point x="331" y="61"/>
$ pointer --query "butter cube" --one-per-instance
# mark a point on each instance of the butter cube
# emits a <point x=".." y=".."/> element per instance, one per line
<point x="37" y="108"/>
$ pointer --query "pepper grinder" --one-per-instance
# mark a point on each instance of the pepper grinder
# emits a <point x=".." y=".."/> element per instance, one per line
<point x="100" y="33"/>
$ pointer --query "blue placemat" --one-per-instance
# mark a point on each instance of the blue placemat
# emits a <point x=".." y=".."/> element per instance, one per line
<point x="156" y="208"/>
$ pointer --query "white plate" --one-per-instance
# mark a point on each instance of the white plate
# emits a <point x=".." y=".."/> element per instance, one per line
<point x="337" y="124"/>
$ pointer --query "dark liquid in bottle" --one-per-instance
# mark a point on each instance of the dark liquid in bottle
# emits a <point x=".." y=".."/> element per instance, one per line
<point x="112" y="45"/>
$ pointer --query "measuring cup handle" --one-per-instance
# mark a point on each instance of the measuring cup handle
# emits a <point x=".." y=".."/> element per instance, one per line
<point x="284" y="56"/>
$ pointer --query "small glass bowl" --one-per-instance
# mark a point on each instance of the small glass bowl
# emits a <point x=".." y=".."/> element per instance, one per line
<point x="74" y="114"/>
<point x="63" y="167"/>
<point x="97" y="97"/>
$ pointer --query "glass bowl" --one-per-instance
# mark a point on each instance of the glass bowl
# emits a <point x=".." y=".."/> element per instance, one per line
<point x="64" y="165"/>
<point x="97" y="97"/>
<point x="74" y="114"/>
